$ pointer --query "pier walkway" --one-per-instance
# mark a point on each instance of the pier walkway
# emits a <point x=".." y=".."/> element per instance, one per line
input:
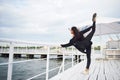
<point x="101" y="67"/>
<point x="99" y="70"/>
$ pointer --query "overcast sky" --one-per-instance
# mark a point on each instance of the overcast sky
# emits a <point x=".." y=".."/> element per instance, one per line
<point x="49" y="20"/>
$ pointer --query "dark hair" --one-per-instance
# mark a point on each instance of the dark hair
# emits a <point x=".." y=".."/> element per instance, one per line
<point x="75" y="30"/>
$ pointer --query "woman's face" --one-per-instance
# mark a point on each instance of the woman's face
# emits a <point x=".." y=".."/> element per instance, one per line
<point x="72" y="32"/>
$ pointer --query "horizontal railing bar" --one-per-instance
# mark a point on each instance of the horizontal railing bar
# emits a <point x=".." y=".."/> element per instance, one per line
<point x="52" y="53"/>
<point x="36" y="75"/>
<point x="68" y="63"/>
<point x="43" y="73"/>
<point x="23" y="61"/>
<point x="3" y="64"/>
<point x="54" y="69"/>
<point x="26" y="42"/>
<point x="26" y="61"/>
<point x="65" y="65"/>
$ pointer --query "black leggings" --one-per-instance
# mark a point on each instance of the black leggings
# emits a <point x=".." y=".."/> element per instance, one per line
<point x="88" y="49"/>
<point x="90" y="35"/>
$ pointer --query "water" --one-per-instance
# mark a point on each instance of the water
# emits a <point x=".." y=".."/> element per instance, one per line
<point x="23" y="71"/>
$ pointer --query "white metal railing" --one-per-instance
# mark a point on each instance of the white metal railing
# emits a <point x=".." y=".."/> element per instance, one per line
<point x="11" y="62"/>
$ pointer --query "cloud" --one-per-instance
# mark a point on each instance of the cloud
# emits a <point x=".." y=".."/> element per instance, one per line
<point x="50" y="17"/>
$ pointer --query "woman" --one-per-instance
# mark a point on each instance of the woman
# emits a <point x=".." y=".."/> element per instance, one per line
<point x="82" y="43"/>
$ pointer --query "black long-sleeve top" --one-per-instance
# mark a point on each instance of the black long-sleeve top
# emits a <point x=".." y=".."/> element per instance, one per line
<point x="79" y="38"/>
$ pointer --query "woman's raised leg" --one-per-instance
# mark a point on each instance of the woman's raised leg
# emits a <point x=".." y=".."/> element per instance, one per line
<point x="90" y="35"/>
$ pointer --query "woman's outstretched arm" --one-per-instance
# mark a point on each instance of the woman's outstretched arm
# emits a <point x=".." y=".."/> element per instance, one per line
<point x="66" y="45"/>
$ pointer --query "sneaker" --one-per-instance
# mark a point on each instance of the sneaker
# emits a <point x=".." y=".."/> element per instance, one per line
<point x="85" y="72"/>
<point x="94" y="17"/>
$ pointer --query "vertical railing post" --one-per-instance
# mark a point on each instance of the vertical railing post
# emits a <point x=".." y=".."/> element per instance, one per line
<point x="72" y="57"/>
<point x="47" y="63"/>
<point x="10" y="64"/>
<point x="101" y="47"/>
<point x="63" y="66"/>
<point x="77" y="57"/>
<point x="35" y="49"/>
<point x="76" y="53"/>
<point x="26" y="49"/>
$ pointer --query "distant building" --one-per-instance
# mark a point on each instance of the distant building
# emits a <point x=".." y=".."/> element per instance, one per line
<point x="112" y="49"/>
<point x="114" y="44"/>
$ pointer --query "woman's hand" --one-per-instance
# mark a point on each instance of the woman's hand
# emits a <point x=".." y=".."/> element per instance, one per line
<point x="61" y="45"/>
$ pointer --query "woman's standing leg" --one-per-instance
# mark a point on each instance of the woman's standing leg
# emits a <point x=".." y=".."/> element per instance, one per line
<point x="88" y="55"/>
<point x="88" y="51"/>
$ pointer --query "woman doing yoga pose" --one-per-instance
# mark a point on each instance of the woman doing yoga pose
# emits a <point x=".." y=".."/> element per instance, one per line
<point x="82" y="43"/>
